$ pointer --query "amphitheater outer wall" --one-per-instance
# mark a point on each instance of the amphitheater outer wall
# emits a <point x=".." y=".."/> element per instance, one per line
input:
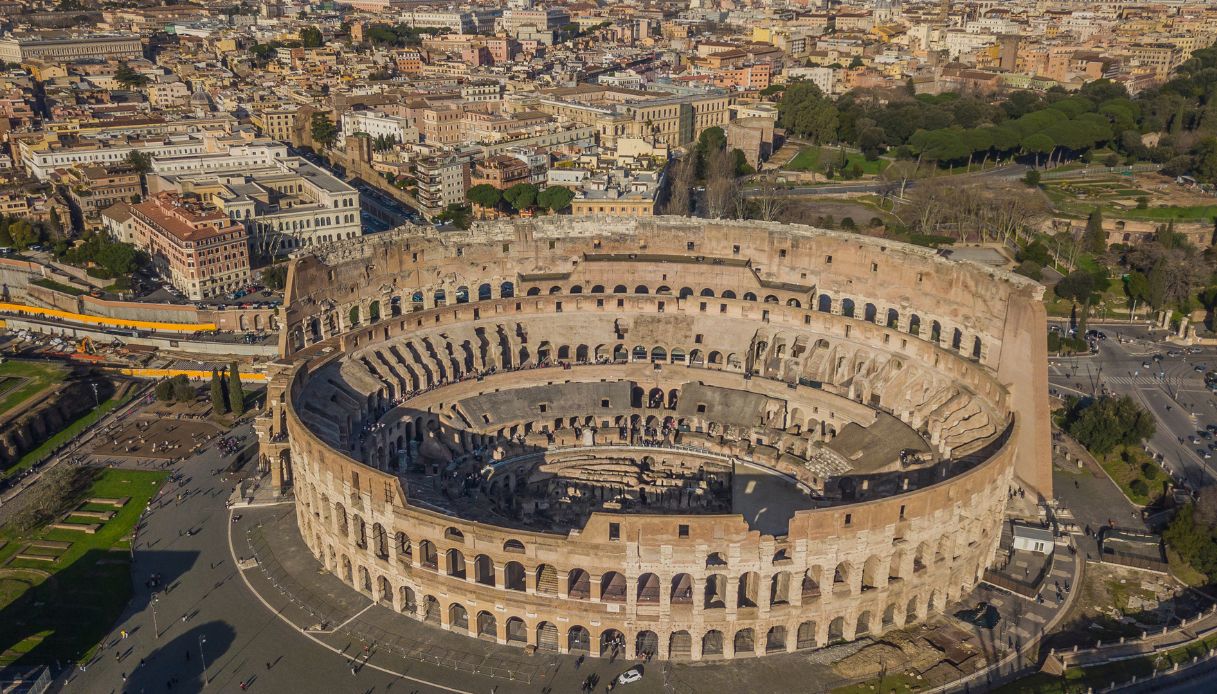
<point x="839" y="572"/>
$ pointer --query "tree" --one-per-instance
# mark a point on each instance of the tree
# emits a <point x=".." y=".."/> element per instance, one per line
<point x="310" y="37"/>
<point x="236" y="393"/>
<point x="1094" y="238"/>
<point x="140" y="161"/>
<point x="770" y="202"/>
<point x="805" y="112"/>
<point x="1103" y="424"/>
<point x="1032" y="178"/>
<point x="555" y="198"/>
<point x="217" y="394"/>
<point x="24" y="234"/>
<point x="164" y="390"/>
<point x="521" y="196"/>
<point x="323" y="129"/>
<point x="1077" y="286"/>
<point x="128" y="77"/>
<point x="182" y="390"/>
<point x="484" y="195"/>
<point x="275" y="277"/>
<point x="1038" y="144"/>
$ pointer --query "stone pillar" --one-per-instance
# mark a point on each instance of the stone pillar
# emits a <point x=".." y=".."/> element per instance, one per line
<point x="563" y="584"/>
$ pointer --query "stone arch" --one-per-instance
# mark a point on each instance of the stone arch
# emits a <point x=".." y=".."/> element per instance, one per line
<point x="427" y="555"/>
<point x="680" y="645"/>
<point x="406" y="596"/>
<point x="380" y="541"/>
<point x="513" y="576"/>
<point x="806" y="636"/>
<point x="889" y="616"/>
<point x="775" y="639"/>
<point x="611" y="641"/>
<point x="455" y="563"/>
<point x="483" y="570"/>
<point x="779" y="588"/>
<point x="715" y="592"/>
<point x="811" y="584"/>
<point x="824" y="303"/>
<point x="842" y="580"/>
<point x="431" y="609"/>
<point x="507" y="290"/>
<point x="707" y="292"/>
<point x="872" y="573"/>
<point x="384" y="592"/>
<point x="547" y="637"/>
<point x="864" y="623"/>
<point x="513" y="546"/>
<point x="915" y="325"/>
<point x="869" y="313"/>
<point x="348" y="575"/>
<point x="578" y="640"/>
<point x="749" y="296"/>
<point x="641" y="289"/>
<point x="712" y="643"/>
<point x="458" y="617"/>
<point x="847" y="308"/>
<point x="487" y="626"/>
<point x="516" y="632"/>
<point x="401" y="543"/>
<point x="547" y="579"/>
<point x="648" y="589"/>
<point x="365" y="580"/>
<point x="682" y="590"/>
<point x="745" y="642"/>
<point x="578" y="584"/>
<point x="836" y="630"/>
<point x="612" y="587"/>
<point x="646" y="644"/>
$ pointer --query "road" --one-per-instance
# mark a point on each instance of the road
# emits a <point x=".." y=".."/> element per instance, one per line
<point x="1172" y="390"/>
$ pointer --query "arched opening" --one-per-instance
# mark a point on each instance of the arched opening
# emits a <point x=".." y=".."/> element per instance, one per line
<point x="747" y="591"/>
<point x="507" y="290"/>
<point x="712" y="644"/>
<point x="869" y="313"/>
<point x="745" y="643"/>
<point x="889" y="616"/>
<point x="847" y="308"/>
<point x="578" y="584"/>
<point x="824" y="303"/>
<point x="484" y="292"/>
<point x="682" y="590"/>
<point x="483" y="570"/>
<point x="456" y="564"/>
<point x="976" y="348"/>
<point x="578" y="640"/>
<point x="806" y="638"/>
<point x="641" y="289"/>
<point x="811" y="584"/>
<point x="487" y="625"/>
<point x="427" y="555"/>
<point x="775" y="640"/>
<point x="514" y="546"/>
<point x="533" y="291"/>
<point x="431" y="610"/>
<point x="749" y="296"/>
<point x="646" y="644"/>
<point x="680" y="645"/>
<point x="716" y="592"/>
<point x="458" y="617"/>
<point x="547" y="637"/>
<point x="517" y="632"/>
<point x="836" y="630"/>
<point x="915" y="325"/>
<point x="841" y="578"/>
<point x="513" y="576"/>
<point x="611" y="642"/>
<point x="408" y="604"/>
<point x="707" y="292"/>
<point x="384" y="592"/>
<point x="956" y="339"/>
<point x="779" y="588"/>
<point x="648" y="588"/>
<point x="871" y="573"/>
<point x="863" y="624"/>
<point x="547" y="580"/>
<point x="728" y="294"/>
<point x="935" y="332"/>
<point x="659" y="354"/>
<point x="612" y="587"/>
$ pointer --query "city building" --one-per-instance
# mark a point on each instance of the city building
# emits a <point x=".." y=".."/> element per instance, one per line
<point x="193" y="245"/>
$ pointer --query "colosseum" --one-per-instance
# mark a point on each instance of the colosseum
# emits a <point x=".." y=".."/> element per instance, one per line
<point x="663" y="437"/>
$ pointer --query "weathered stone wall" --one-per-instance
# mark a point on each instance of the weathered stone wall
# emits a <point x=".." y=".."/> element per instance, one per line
<point x="25" y="431"/>
<point x="879" y="308"/>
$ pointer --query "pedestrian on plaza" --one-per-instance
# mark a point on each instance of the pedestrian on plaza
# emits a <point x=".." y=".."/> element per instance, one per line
<point x="268" y="665"/>
<point x="352" y="671"/>
<point x="123" y="633"/>
<point x="124" y="676"/>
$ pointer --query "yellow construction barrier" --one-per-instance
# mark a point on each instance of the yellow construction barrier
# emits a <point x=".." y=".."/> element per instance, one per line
<point x="191" y="374"/>
<point x="106" y="321"/>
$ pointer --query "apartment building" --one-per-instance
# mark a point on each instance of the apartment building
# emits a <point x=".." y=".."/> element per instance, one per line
<point x="442" y="181"/>
<point x="53" y="48"/>
<point x="193" y="245"/>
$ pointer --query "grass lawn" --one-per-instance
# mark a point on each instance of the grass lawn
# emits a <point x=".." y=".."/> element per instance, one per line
<point x="64" y="615"/>
<point x="58" y="286"/>
<point x="33" y="376"/>
<point x="1167" y="213"/>
<point x="808" y="159"/>
<point x="66" y="434"/>
<point x="1124" y="467"/>
<point x="896" y="683"/>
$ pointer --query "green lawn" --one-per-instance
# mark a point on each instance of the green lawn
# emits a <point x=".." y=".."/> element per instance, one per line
<point x="1167" y="213"/>
<point x="65" y="615"/>
<point x="63" y="436"/>
<point x="1125" y="473"/>
<point x="35" y="375"/>
<point x="58" y="286"/>
<point x="808" y="159"/>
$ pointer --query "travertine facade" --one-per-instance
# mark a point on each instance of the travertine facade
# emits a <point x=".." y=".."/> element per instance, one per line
<point x="693" y="439"/>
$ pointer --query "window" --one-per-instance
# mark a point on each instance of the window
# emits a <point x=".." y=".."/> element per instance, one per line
<point x="782" y="253"/>
<point x="698" y="337"/>
<point x="849" y="518"/>
<point x="701" y="407"/>
<point x="614" y="531"/>
<point x="735" y="249"/>
<point x="901" y="511"/>
<point x="605" y="403"/>
<point x="874" y="267"/>
<point x="682" y="530"/>
<point x="828" y="260"/>
<point x="544" y="407"/>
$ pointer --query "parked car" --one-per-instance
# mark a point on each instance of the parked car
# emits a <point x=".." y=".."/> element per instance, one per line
<point x="630" y="676"/>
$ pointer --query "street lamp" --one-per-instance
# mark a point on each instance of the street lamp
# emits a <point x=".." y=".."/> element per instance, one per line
<point x="156" y="632"/>
<point x="95" y="401"/>
<point x="203" y="640"/>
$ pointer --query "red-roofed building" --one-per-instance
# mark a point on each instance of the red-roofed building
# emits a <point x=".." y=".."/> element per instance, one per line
<point x="193" y="244"/>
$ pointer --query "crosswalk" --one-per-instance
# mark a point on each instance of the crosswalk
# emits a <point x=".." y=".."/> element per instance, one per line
<point x="1140" y="381"/>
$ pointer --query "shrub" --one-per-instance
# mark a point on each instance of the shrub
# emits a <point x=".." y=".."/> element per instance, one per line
<point x="1139" y="487"/>
<point x="1150" y="471"/>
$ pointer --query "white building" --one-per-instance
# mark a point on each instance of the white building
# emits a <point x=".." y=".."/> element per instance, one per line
<point x="378" y="124"/>
<point x="1033" y="538"/>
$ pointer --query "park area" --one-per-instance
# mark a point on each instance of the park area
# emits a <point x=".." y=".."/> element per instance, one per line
<point x="65" y="562"/>
<point x="20" y="381"/>
<point x="817" y="158"/>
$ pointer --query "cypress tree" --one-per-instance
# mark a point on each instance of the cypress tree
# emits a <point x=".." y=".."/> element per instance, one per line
<point x="236" y="394"/>
<point x="217" y="394"/>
